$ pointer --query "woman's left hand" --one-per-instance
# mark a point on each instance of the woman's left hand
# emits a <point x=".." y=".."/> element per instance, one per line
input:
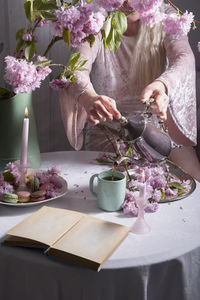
<point x="157" y="91"/>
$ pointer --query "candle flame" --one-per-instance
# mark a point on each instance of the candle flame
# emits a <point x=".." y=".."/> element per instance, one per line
<point x="143" y="175"/>
<point x="26" y="112"/>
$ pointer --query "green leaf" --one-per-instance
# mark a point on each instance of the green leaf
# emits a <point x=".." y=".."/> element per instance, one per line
<point x="40" y="5"/>
<point x="30" y="50"/>
<point x="48" y="16"/>
<point x="72" y="78"/>
<point x="100" y="160"/>
<point x="43" y="63"/>
<point x="107" y="26"/>
<point x="115" y="26"/>
<point x="20" y="41"/>
<point x="8" y="176"/>
<point x="129" y="152"/>
<point x="28" y="10"/>
<point x="19" y="45"/>
<point x="114" y="41"/>
<point x="20" y="33"/>
<point x="104" y="39"/>
<point x="162" y="195"/>
<point x="110" y="38"/>
<point x="73" y="59"/>
<point x="176" y="185"/>
<point x="81" y="64"/>
<point x="66" y="36"/>
<point x="74" y="2"/>
<point x="91" y="39"/>
<point x="5" y="94"/>
<point x="119" y="22"/>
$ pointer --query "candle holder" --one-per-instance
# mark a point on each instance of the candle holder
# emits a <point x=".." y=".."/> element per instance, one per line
<point x="140" y="226"/>
<point x="23" y="170"/>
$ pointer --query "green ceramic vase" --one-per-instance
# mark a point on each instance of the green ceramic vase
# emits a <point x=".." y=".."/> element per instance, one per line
<point x="11" y="123"/>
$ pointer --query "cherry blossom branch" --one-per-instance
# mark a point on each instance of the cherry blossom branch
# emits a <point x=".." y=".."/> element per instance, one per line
<point x="181" y="12"/>
<point x="53" y="41"/>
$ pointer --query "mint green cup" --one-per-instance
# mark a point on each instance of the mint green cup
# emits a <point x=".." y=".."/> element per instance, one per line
<point x="110" y="193"/>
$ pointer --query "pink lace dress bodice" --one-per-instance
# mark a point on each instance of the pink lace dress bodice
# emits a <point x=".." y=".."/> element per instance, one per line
<point x="108" y="74"/>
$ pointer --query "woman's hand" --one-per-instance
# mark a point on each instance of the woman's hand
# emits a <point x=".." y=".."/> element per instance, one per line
<point x="158" y="91"/>
<point x="99" y="108"/>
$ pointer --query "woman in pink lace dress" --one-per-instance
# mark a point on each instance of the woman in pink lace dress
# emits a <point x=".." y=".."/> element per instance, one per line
<point x="148" y="64"/>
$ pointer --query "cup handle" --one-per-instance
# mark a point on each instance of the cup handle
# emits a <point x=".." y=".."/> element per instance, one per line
<point x="92" y="184"/>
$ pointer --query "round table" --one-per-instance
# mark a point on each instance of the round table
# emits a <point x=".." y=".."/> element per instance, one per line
<point x="163" y="264"/>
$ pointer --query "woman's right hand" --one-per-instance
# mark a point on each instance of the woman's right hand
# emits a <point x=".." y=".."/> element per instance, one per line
<point x="99" y="108"/>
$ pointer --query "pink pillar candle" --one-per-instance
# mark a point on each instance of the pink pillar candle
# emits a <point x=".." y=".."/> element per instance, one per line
<point x="142" y="190"/>
<point x="24" y="141"/>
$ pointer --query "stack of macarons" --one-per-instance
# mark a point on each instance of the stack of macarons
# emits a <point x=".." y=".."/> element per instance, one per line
<point x="37" y="194"/>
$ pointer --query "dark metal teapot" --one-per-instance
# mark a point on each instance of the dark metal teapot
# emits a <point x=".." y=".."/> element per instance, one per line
<point x="153" y="144"/>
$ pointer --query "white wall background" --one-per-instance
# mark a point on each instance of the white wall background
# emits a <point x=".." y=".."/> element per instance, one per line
<point x="50" y="128"/>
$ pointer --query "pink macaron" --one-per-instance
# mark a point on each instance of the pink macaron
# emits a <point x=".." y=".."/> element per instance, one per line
<point x="38" y="195"/>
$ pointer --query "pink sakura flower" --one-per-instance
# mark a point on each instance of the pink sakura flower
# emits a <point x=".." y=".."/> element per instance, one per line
<point x="151" y="18"/>
<point x="171" y="192"/>
<point x="42" y="72"/>
<point x="110" y="4"/>
<point x="178" y="25"/>
<point x="51" y="194"/>
<point x="142" y="6"/>
<point x="80" y="21"/>
<point x="95" y="23"/>
<point x="42" y="22"/>
<point x="35" y="38"/>
<point x="156" y="195"/>
<point x="54" y="179"/>
<point x="24" y="76"/>
<point x="128" y="6"/>
<point x="152" y="207"/>
<point x="77" y="37"/>
<point x="157" y="182"/>
<point x="13" y="169"/>
<point x="57" y="84"/>
<point x="20" y="54"/>
<point x="5" y="187"/>
<point x="130" y="208"/>
<point x="56" y="28"/>
<point x="42" y="177"/>
<point x="54" y="171"/>
<point x="27" y="37"/>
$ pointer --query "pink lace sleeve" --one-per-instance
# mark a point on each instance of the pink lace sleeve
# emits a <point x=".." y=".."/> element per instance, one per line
<point x="73" y="115"/>
<point x="179" y="78"/>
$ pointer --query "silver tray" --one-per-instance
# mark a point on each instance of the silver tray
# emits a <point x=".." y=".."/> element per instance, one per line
<point x="182" y="175"/>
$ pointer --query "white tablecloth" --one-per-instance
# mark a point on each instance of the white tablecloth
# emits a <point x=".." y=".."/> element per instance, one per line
<point x="164" y="264"/>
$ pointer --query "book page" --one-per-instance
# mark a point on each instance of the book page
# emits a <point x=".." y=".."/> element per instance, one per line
<point x="46" y="225"/>
<point x="91" y="239"/>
